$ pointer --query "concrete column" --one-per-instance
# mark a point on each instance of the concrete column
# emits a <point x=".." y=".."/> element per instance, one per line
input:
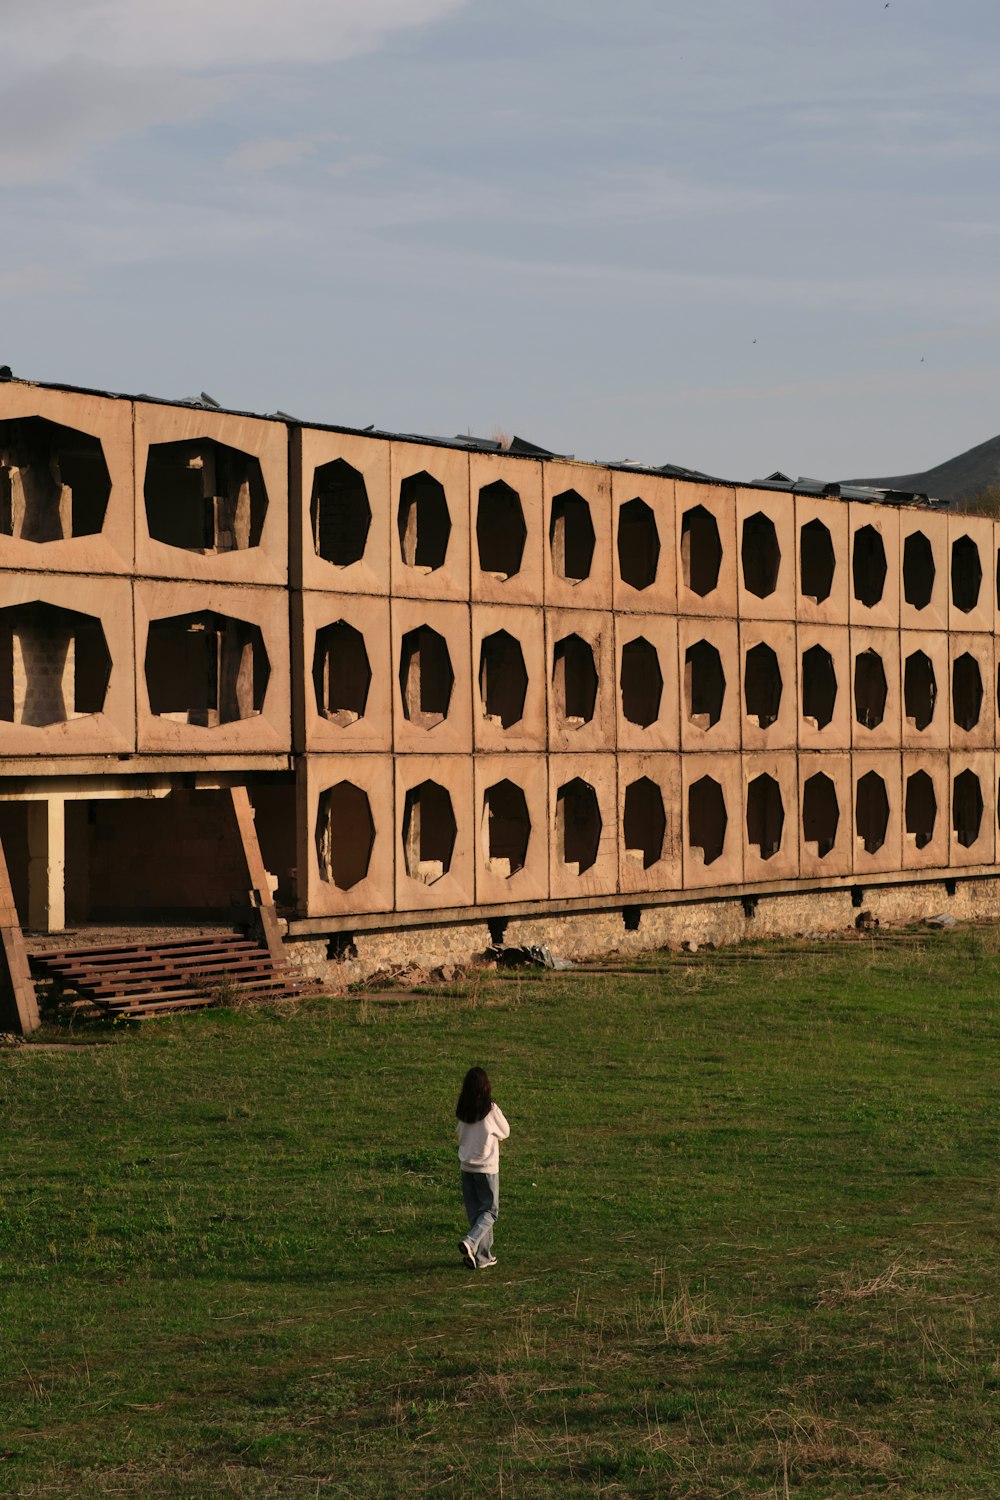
<point x="47" y="865"/>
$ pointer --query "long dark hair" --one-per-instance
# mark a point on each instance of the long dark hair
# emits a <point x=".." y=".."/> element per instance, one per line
<point x="476" y="1099"/>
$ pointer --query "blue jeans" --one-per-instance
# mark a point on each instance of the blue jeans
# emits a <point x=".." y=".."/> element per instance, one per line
<point x="481" y="1194"/>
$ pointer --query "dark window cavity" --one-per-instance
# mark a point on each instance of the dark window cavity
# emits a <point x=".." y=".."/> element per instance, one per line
<point x="641" y="682"/>
<point x="340" y="514"/>
<point x="500" y="530"/>
<point x="638" y="544"/>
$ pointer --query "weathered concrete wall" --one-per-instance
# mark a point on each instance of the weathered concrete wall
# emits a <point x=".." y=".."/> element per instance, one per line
<point x="499" y="680"/>
<point x="596" y="934"/>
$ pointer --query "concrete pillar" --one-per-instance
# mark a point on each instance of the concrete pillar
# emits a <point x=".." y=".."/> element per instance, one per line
<point x="47" y="865"/>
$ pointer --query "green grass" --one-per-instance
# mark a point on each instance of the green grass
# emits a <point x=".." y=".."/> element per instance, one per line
<point x="748" y="1242"/>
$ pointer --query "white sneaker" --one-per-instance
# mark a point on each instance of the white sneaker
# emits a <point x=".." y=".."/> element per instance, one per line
<point x="468" y="1254"/>
<point x="490" y="1260"/>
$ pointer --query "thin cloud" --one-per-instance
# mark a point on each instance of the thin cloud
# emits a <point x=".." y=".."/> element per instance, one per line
<point x="52" y="118"/>
<point x="193" y="36"/>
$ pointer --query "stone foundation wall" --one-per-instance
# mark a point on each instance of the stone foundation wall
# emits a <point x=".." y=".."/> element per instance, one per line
<point x="592" y="934"/>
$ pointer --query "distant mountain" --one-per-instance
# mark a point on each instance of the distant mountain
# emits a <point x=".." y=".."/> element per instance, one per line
<point x="958" y="479"/>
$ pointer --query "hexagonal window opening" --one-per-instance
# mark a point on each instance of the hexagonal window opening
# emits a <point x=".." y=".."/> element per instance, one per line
<point x="762" y="685"/>
<point x="506" y="828"/>
<point x="204" y="496"/>
<point x="340" y="513"/>
<point x="572" y="538"/>
<point x="761" y="555"/>
<point x="704" y="685"/>
<point x="869" y="565"/>
<point x="966" y="574"/>
<point x="919" y="570"/>
<point x="638" y="544"/>
<point x="503" y="679"/>
<point x="966" y="691"/>
<point x="429" y="832"/>
<point x="871" y="812"/>
<point x="424" y="522"/>
<point x="342" y="673"/>
<point x="919" y="689"/>
<point x="765" y="816"/>
<point x="644" y="822"/>
<point x="707" y="819"/>
<point x="701" y="550"/>
<point x="500" y="530"/>
<point x="578" y="825"/>
<point x="820" y="814"/>
<point x="574" y="681"/>
<point x="920" y="809"/>
<point x="426" y="678"/>
<point x="54" y="665"/>
<point x="817" y="562"/>
<point x="641" y="682"/>
<point x="819" y="686"/>
<point x="345" y="835"/>
<point x="870" y="689"/>
<point x="206" y="669"/>
<point x="54" y="481"/>
<point x="966" y="808"/>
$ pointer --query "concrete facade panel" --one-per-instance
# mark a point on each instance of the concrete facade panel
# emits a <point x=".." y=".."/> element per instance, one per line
<point x="429" y="520"/>
<point x="633" y="708"/>
<point x="577" y="555"/>
<point x="981" y="734"/>
<point x="877" y="813"/>
<point x="923" y="590"/>
<point x="702" y="647"/>
<point x="868" y="565"/>
<point x="446" y="727"/>
<point x="876" y="711"/>
<point x="340" y="505"/>
<point x="638" y="815"/>
<point x="44" y="711"/>
<point x="111" y="548"/>
<point x="435" y="832"/>
<point x="924" y="660"/>
<point x="926" y="809"/>
<point x="580" y="720"/>
<point x="770" y="815"/>
<point x="324" y="723"/>
<point x="267" y="727"/>
<point x="712" y="854"/>
<point x="971" y="573"/>
<point x="706" y="554"/>
<point x="491" y="522"/>
<point x="822" y="561"/>
<point x="973" y="828"/>
<point x="826" y="688"/>
<point x="526" y="851"/>
<point x="498" y="682"/>
<point x="769" y="716"/>
<point x="826" y="814"/>
<point x="341" y="835"/>
<point x="765" y="538"/>
<point x="583" y="825"/>
<point x="631" y="537"/>
<point x="263" y="441"/>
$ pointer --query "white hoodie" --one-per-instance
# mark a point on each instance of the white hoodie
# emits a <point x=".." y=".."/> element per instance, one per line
<point x="479" y="1144"/>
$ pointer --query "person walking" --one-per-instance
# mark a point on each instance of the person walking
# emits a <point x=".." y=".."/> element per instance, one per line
<point x="481" y="1128"/>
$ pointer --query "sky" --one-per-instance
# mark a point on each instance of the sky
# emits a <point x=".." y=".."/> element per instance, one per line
<point x="736" y="235"/>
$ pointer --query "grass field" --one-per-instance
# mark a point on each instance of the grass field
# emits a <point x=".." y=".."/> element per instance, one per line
<point x="748" y="1242"/>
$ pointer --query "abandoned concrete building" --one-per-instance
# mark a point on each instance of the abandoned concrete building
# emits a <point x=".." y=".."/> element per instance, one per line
<point x="470" y="692"/>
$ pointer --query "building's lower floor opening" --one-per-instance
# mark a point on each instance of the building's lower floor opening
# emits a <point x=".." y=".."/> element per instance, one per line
<point x="166" y="859"/>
